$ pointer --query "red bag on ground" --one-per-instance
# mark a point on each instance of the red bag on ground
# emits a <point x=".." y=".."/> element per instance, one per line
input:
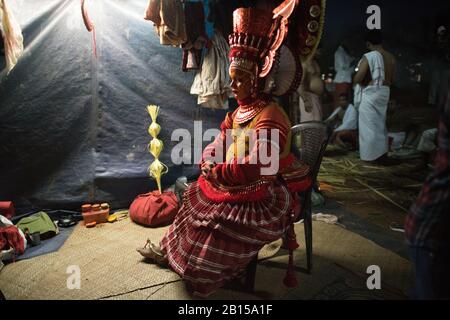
<point x="154" y="209"/>
<point x="7" y="209"/>
<point x="10" y="238"/>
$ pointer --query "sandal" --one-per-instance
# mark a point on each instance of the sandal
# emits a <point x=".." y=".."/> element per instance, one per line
<point x="67" y="222"/>
<point x="150" y="251"/>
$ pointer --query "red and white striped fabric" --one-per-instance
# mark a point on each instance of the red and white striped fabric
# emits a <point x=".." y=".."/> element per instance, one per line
<point x="210" y="243"/>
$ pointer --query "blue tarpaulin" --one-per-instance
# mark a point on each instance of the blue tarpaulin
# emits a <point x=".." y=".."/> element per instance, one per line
<point x="74" y="127"/>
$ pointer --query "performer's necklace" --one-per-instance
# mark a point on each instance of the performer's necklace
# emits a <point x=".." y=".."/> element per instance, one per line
<point x="249" y="109"/>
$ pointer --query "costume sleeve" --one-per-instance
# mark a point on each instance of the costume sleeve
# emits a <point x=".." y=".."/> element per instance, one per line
<point x="216" y="150"/>
<point x="271" y="124"/>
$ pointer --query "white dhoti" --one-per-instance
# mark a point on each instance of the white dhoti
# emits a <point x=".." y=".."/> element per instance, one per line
<point x="373" y="134"/>
<point x="372" y="102"/>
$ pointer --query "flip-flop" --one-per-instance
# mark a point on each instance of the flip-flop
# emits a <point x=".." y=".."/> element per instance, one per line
<point x="395" y="227"/>
<point x="66" y="222"/>
<point x="149" y="251"/>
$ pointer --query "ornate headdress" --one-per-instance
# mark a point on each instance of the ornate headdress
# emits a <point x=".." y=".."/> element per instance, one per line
<point x="257" y="35"/>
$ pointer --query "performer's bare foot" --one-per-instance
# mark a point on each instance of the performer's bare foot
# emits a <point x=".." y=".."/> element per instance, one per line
<point x="153" y="252"/>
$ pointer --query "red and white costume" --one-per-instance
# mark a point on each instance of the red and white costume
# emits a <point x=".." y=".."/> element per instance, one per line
<point x="228" y="217"/>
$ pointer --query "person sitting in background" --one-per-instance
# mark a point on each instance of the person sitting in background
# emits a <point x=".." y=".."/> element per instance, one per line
<point x="425" y="148"/>
<point x="416" y="128"/>
<point x="345" y="121"/>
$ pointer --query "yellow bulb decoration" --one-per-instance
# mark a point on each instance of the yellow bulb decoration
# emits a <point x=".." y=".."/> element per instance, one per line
<point x="155" y="147"/>
<point x="154" y="130"/>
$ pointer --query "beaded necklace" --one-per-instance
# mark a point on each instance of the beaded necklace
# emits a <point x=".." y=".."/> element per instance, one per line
<point x="249" y="108"/>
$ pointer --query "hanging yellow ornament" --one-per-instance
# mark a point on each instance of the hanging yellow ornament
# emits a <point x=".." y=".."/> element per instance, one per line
<point x="154" y="129"/>
<point x="155" y="147"/>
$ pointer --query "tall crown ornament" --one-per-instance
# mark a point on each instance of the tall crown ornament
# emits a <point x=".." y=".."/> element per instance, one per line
<point x="257" y="36"/>
<point x="155" y="147"/>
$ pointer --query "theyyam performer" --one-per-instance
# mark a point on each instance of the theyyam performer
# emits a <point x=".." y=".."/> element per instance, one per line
<point x="239" y="203"/>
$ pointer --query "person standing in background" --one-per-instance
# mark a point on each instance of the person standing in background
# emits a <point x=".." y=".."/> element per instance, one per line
<point x="343" y="64"/>
<point x="375" y="76"/>
<point x="311" y="90"/>
<point x="428" y="223"/>
<point x="441" y="67"/>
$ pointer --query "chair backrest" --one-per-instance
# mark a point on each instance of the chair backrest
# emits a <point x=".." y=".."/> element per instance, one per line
<point x="311" y="144"/>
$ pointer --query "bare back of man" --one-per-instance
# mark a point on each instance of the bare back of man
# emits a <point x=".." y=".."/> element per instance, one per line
<point x="389" y="66"/>
<point x="363" y="76"/>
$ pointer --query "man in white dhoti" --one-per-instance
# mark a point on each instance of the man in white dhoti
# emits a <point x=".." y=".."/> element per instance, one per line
<point x="373" y="79"/>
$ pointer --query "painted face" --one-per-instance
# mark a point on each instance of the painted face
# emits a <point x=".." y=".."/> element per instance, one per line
<point x="241" y="84"/>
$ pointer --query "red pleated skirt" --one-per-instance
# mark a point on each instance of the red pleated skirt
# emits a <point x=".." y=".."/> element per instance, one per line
<point x="210" y="243"/>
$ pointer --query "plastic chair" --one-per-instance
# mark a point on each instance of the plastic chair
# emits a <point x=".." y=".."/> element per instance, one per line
<point x="314" y="137"/>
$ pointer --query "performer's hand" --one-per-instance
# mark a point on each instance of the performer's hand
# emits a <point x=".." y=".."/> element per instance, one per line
<point x="207" y="168"/>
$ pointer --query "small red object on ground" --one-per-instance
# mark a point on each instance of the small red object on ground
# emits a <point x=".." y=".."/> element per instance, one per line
<point x="95" y="213"/>
<point x="7" y="209"/>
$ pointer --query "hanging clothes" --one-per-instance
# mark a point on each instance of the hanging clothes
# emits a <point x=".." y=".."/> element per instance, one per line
<point x="212" y="83"/>
<point x="168" y="18"/>
<point x="152" y="12"/>
<point x="12" y="36"/>
<point x="196" y="35"/>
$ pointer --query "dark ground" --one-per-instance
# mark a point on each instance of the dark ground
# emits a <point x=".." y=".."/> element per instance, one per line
<point x="368" y="199"/>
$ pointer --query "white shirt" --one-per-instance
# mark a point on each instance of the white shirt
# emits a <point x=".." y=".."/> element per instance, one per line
<point x="342" y="65"/>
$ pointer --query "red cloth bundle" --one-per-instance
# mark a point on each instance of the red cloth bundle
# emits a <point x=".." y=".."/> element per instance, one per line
<point x="7" y="209"/>
<point x="154" y="209"/>
<point x="10" y="238"/>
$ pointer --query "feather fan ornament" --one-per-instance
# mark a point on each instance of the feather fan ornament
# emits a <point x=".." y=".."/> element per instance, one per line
<point x="286" y="74"/>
